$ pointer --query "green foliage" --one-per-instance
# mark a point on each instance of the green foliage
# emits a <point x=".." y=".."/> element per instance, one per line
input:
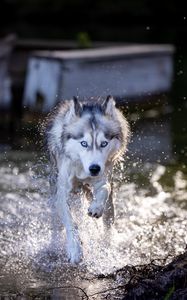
<point x="83" y="40"/>
<point x="169" y="293"/>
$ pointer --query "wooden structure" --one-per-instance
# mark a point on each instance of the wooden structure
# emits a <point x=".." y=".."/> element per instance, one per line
<point x="127" y="72"/>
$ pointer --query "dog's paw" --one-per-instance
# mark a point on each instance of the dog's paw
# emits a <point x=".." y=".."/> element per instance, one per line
<point x="95" y="210"/>
<point x="74" y="251"/>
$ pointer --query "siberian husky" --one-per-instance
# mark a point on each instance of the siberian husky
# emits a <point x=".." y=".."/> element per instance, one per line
<point x="84" y="141"/>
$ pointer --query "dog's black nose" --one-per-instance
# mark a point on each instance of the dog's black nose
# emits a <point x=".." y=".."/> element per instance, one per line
<point x="94" y="170"/>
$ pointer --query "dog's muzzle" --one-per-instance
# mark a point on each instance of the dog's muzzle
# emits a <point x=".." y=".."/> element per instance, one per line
<point x="94" y="170"/>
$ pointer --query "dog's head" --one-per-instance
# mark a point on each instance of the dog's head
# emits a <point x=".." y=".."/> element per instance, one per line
<point x="95" y="134"/>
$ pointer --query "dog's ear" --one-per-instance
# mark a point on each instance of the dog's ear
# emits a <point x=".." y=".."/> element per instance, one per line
<point x="109" y="106"/>
<point x="77" y="106"/>
<point x="74" y="109"/>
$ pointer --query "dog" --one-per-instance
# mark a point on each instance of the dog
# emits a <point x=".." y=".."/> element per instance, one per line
<point x="84" y="140"/>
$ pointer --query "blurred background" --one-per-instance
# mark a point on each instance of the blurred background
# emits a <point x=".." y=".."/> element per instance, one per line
<point x="27" y="26"/>
<point x="137" y="51"/>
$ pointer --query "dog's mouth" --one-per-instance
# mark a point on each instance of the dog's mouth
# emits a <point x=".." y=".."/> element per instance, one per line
<point x="94" y="175"/>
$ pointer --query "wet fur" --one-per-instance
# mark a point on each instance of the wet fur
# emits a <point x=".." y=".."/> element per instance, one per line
<point x="71" y="122"/>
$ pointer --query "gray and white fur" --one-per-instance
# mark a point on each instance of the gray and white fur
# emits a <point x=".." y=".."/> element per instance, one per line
<point x="84" y="141"/>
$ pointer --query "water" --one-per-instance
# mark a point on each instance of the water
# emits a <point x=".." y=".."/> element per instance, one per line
<point x="151" y="224"/>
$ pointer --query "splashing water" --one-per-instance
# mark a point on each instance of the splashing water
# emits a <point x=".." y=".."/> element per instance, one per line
<point x="150" y="225"/>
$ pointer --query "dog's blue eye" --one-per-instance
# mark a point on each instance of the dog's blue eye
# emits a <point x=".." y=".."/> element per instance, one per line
<point x="84" y="144"/>
<point x="104" y="144"/>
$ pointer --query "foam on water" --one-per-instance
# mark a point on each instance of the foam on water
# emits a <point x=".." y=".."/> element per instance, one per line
<point x="150" y="225"/>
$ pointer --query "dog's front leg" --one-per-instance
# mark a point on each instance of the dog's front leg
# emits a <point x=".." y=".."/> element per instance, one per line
<point x="64" y="187"/>
<point x="101" y="192"/>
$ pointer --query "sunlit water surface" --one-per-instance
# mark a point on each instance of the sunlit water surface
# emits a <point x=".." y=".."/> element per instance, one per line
<point x="150" y="224"/>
